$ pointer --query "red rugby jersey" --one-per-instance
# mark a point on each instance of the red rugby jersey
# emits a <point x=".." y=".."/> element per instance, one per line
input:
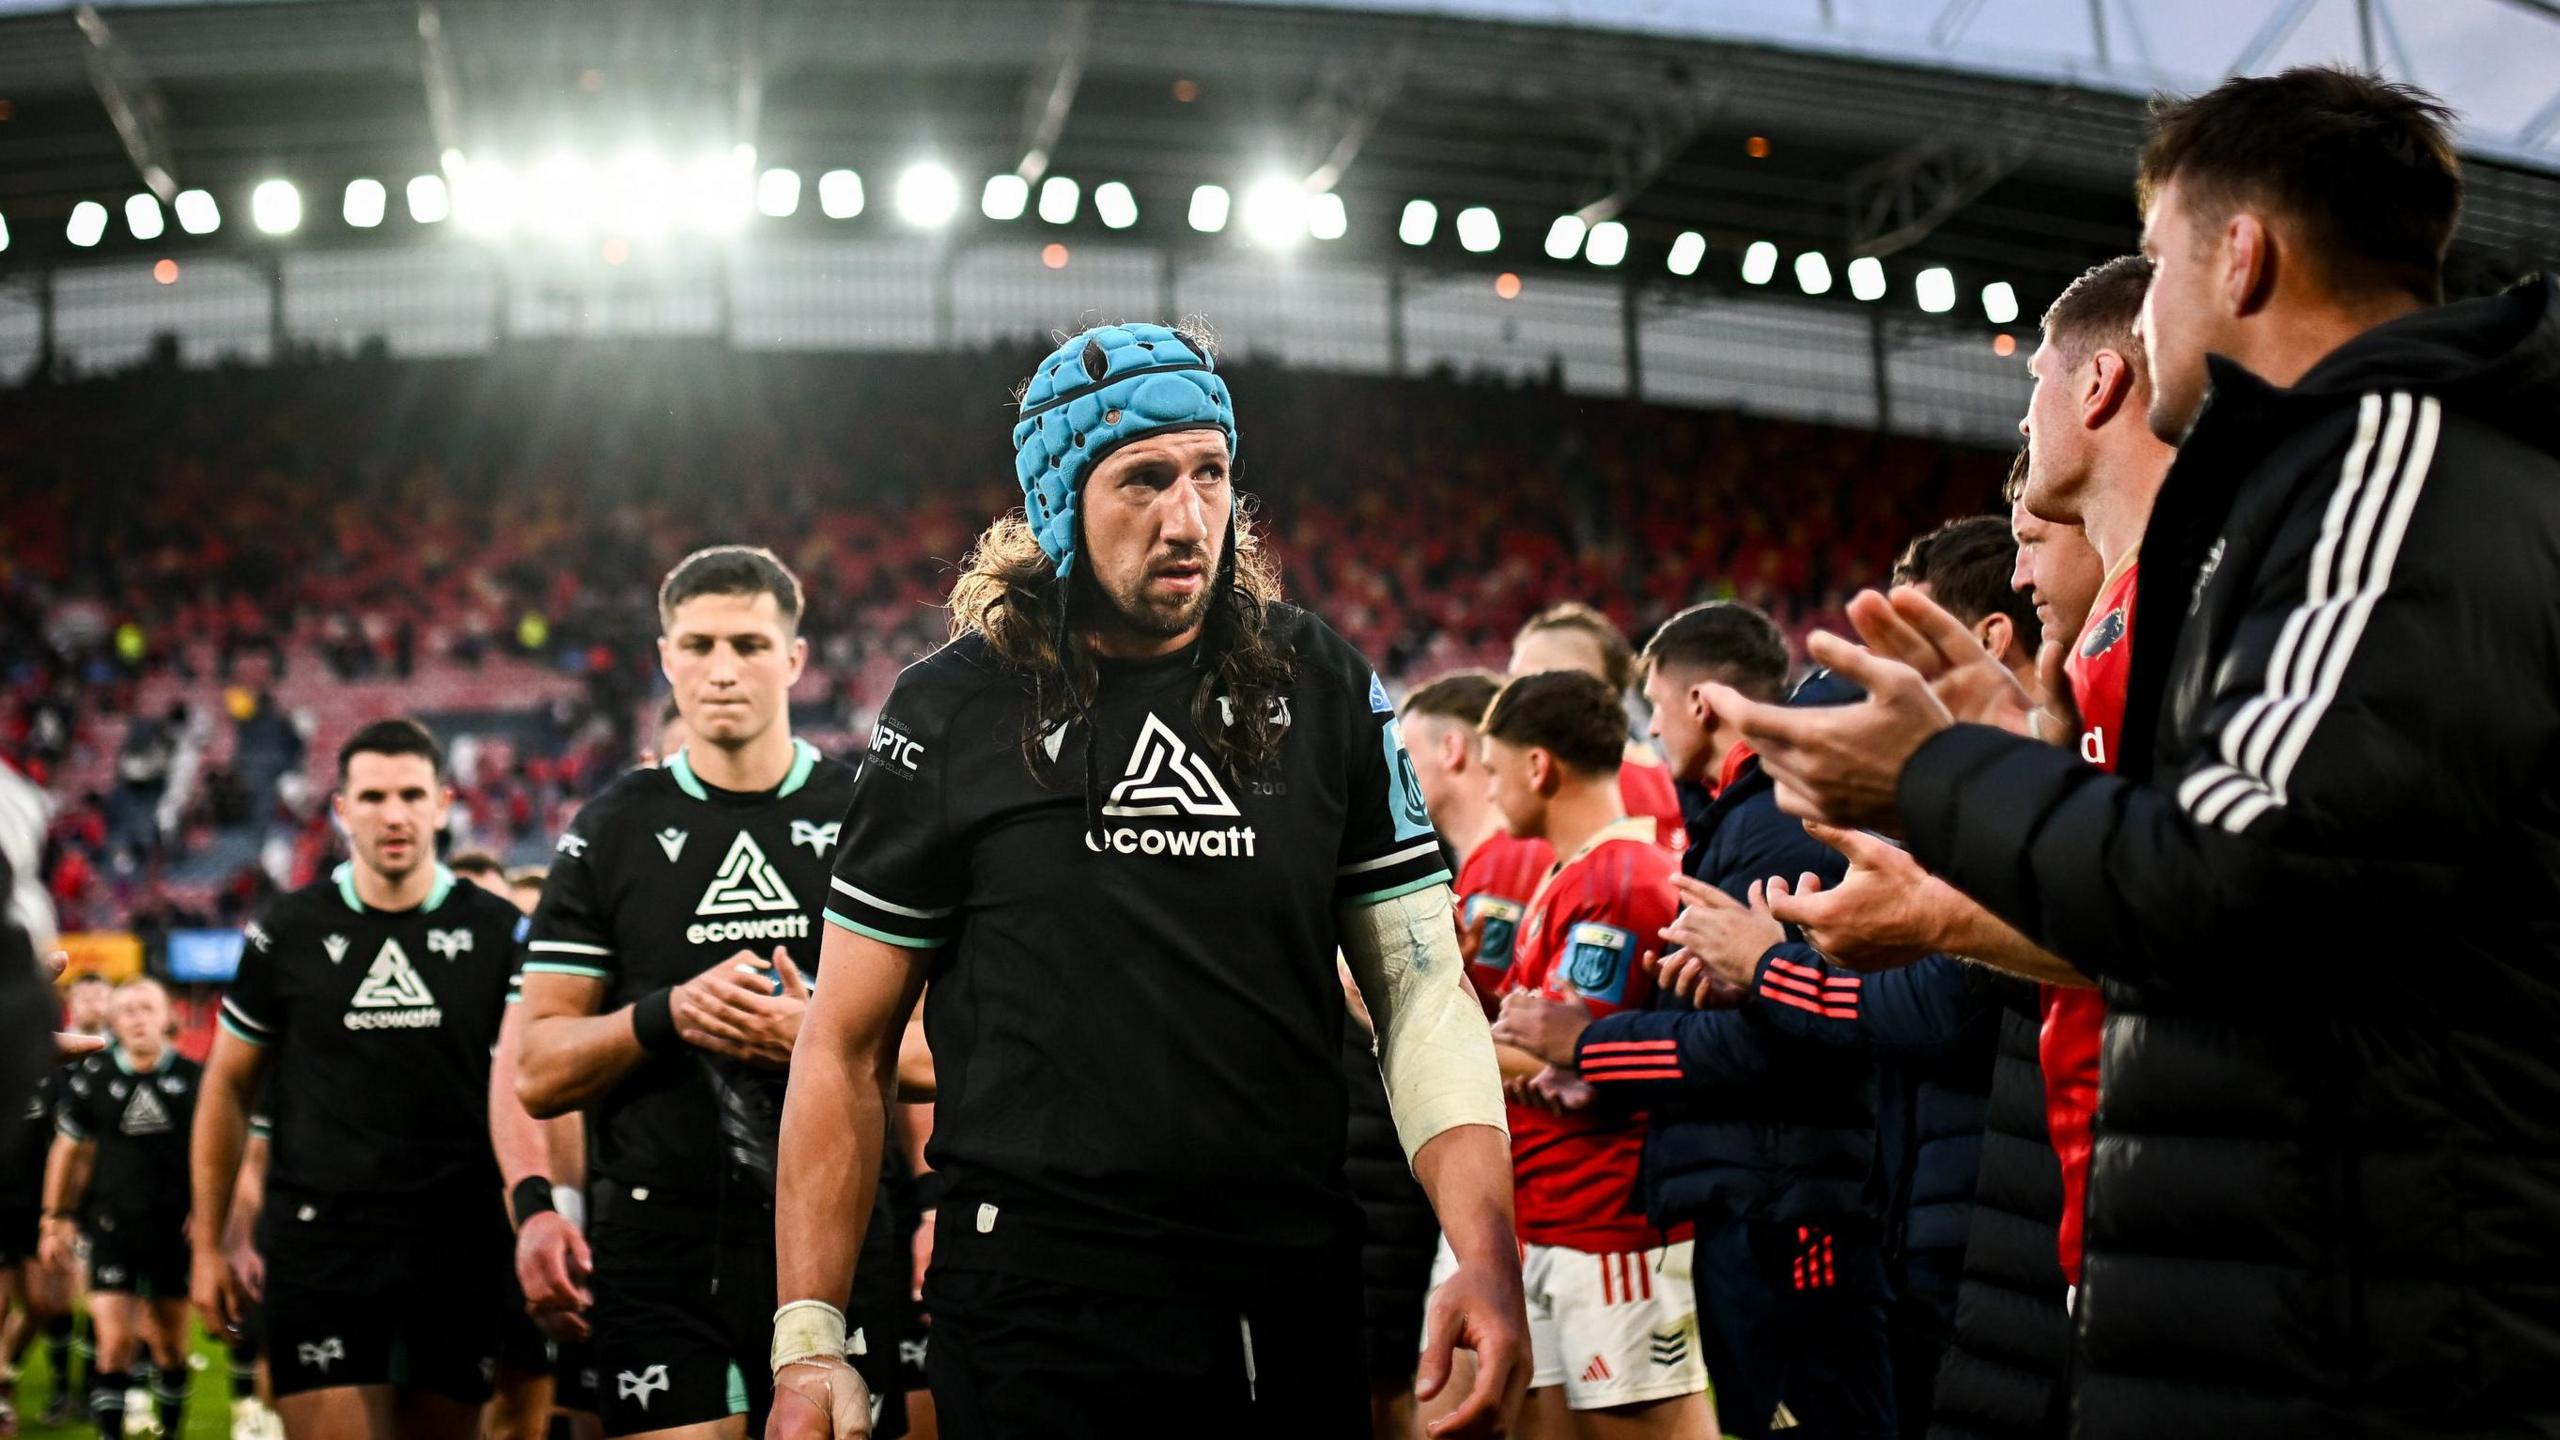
<point x="2067" y="1047"/>
<point x="1588" y="929"/>
<point x="1644" y="791"/>
<point x="1495" y="883"/>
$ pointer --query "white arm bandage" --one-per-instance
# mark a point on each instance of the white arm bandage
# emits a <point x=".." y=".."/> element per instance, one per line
<point x="1433" y="1044"/>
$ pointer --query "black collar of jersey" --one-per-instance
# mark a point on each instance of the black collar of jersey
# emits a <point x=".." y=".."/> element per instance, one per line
<point x="345" y="875"/>
<point x="804" y="758"/>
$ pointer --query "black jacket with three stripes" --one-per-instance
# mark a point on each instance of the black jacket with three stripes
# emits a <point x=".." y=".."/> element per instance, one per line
<point x="2324" y="900"/>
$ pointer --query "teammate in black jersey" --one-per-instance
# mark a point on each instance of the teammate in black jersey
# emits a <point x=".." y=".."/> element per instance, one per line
<point x="1122" y="823"/>
<point x="663" y="991"/>
<point x="118" y="1173"/>
<point x="370" y="1001"/>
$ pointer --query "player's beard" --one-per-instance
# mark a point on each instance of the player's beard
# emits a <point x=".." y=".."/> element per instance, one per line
<point x="1132" y="610"/>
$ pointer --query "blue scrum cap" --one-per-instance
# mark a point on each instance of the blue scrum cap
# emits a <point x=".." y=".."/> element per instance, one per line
<point x="1100" y="390"/>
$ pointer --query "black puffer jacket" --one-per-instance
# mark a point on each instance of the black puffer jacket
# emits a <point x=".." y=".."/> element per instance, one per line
<point x="2324" y="900"/>
<point x="2013" y="1336"/>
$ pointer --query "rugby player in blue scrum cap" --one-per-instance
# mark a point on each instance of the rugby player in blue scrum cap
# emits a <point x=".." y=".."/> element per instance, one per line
<point x="1122" y="823"/>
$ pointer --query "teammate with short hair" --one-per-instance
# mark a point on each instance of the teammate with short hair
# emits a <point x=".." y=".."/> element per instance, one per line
<point x="1124" y="821"/>
<point x="1613" y="1311"/>
<point x="663" y="994"/>
<point x="1570" y="635"/>
<point x="368" y="1002"/>
<point x="118" y="1174"/>
<point x="1496" y="869"/>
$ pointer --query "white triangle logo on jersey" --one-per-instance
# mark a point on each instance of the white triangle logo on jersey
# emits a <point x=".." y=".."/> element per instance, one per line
<point x="672" y="841"/>
<point x="336" y="945"/>
<point x="392" y="983"/>
<point x="746" y="882"/>
<point x="144" y="1114"/>
<point x="1166" y="778"/>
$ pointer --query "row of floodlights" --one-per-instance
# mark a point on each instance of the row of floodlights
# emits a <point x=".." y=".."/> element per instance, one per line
<point x="639" y="195"/>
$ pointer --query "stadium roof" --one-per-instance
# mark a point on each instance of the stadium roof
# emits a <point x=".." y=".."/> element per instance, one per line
<point x="1994" y="136"/>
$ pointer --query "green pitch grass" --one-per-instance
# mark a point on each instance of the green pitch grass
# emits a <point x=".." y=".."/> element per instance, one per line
<point x="208" y="1399"/>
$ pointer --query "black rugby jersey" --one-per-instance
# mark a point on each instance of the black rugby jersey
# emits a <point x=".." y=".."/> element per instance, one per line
<point x="139" y="1120"/>
<point x="379" y="1024"/>
<point x="22" y="1172"/>
<point x="658" y="878"/>
<point x="1136" y="1031"/>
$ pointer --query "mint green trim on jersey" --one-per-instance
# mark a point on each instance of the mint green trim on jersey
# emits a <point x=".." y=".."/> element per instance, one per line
<point x="555" y="967"/>
<point x="345" y="875"/>
<point x="1398" y="892"/>
<point x="804" y="758"/>
<point x="904" y="942"/>
<point x="227" y="1023"/>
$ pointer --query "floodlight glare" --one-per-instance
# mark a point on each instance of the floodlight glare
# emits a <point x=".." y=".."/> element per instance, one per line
<point x="1326" y="219"/>
<point x="485" y="197"/>
<point x="1687" y="252"/>
<point x="1117" y="207"/>
<point x="365" y="201"/>
<point x="197" y="214"/>
<point x="840" y="194"/>
<point x="1478" y="231"/>
<point x="4" y="233"/>
<point x="429" y="201"/>
<point x="1935" y="289"/>
<point x="1999" y="303"/>
<point x="275" y="207"/>
<point x="778" y="194"/>
<point x="1866" y="278"/>
<point x="560" y="196"/>
<point x="636" y="195"/>
<point x="1564" y="238"/>
<point x="1058" y="196"/>
<point x="1608" y="243"/>
<point x="1005" y="197"/>
<point x="88" y="224"/>
<point x="927" y="197"/>
<point x="1209" y="209"/>
<point x="1421" y="217"/>
<point x="716" y="193"/>
<point x="1275" y="213"/>
<point x="1759" y="262"/>
<point x="1813" y="273"/>
<point x="142" y="216"/>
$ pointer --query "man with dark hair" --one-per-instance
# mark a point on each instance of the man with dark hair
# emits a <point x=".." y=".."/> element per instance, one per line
<point x="368" y="1003"/>
<point x="1573" y="636"/>
<point x="1765" y="1142"/>
<point x="1125" y="821"/>
<point x="663" y="995"/>
<point x="1615" y="1307"/>
<point x="1496" y="869"/>
<point x="2337" y="738"/>
<point x="1969" y="567"/>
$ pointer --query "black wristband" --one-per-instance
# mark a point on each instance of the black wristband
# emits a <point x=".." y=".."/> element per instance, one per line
<point x="929" y="1191"/>
<point x="531" y="1197"/>
<point x="653" y="1022"/>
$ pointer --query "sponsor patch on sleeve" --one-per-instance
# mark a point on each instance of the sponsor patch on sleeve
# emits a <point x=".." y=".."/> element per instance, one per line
<point x="1597" y="959"/>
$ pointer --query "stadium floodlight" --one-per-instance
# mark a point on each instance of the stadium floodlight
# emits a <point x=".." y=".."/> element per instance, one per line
<point x="1326" y="219"/>
<point x="364" y="203"/>
<point x="927" y="196"/>
<point x="1999" y="303"/>
<point x="142" y="216"/>
<point x="1478" y="231"/>
<point x="485" y="197"/>
<point x="1813" y="273"/>
<point x="1421" y="218"/>
<point x="1209" y="209"/>
<point x="1117" y="207"/>
<point x="1608" y="244"/>
<point x="636" y="194"/>
<point x="1275" y="213"/>
<point x="1058" y="197"/>
<point x="1005" y="197"/>
<point x="1688" y="252"/>
<point x="1935" y="289"/>
<point x="778" y="194"/>
<point x="1866" y="278"/>
<point x="4" y="232"/>
<point x="716" y="193"/>
<point x="88" y="224"/>
<point x="840" y="194"/>
<point x="430" y="203"/>
<point x="1759" y="262"/>
<point x="275" y="207"/>
<point x="197" y="212"/>
<point x="560" y="197"/>
<point x="1564" y="238"/>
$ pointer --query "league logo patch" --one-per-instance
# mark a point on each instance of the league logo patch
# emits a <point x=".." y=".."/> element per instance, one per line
<point x="1501" y="929"/>
<point x="639" y="1387"/>
<point x="819" y="838"/>
<point x="1378" y="696"/>
<point x="448" y="943"/>
<point x="1404" y="787"/>
<point x="318" y="1355"/>
<point x="1596" y="960"/>
<point x="2102" y="637"/>
<point x="571" y="844"/>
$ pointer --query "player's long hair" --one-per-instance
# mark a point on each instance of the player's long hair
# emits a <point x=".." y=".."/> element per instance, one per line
<point x="1008" y="592"/>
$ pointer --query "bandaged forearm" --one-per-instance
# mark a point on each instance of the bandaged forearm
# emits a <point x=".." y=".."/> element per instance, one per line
<point x="1434" y="1047"/>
